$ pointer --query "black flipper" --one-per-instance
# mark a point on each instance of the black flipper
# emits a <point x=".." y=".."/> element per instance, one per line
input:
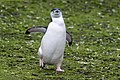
<point x="69" y="38"/>
<point x="36" y="29"/>
<point x="44" y="29"/>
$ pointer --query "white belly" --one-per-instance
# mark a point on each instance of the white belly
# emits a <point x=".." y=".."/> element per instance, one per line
<point x="53" y="44"/>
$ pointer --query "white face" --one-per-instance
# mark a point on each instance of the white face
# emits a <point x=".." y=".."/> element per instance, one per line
<point x="55" y="13"/>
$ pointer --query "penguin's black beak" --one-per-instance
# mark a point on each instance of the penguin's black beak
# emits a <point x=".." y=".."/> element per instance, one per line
<point x="56" y="11"/>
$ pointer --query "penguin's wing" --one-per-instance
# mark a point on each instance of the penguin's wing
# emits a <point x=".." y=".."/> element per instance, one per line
<point x="69" y="38"/>
<point x="44" y="29"/>
<point x="36" y="29"/>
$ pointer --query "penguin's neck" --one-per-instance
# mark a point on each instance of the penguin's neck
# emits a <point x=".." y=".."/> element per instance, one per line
<point x="59" y="21"/>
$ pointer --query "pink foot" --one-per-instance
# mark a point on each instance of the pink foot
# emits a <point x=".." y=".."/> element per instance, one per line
<point x="41" y="63"/>
<point x="59" y="70"/>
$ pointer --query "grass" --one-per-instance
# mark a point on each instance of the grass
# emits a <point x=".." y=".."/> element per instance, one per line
<point x="94" y="26"/>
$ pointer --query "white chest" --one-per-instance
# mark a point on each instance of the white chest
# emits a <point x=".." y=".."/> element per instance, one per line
<point x="53" y="43"/>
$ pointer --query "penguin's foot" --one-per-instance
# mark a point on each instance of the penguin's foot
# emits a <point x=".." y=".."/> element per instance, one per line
<point x="59" y="69"/>
<point x="41" y="63"/>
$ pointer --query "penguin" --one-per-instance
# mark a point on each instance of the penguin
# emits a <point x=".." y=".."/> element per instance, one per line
<point x="51" y="50"/>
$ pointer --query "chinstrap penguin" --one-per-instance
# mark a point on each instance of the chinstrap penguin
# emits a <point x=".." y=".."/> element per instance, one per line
<point x="51" y="50"/>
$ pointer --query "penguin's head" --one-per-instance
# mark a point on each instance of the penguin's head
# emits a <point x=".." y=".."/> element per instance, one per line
<point x="55" y="13"/>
